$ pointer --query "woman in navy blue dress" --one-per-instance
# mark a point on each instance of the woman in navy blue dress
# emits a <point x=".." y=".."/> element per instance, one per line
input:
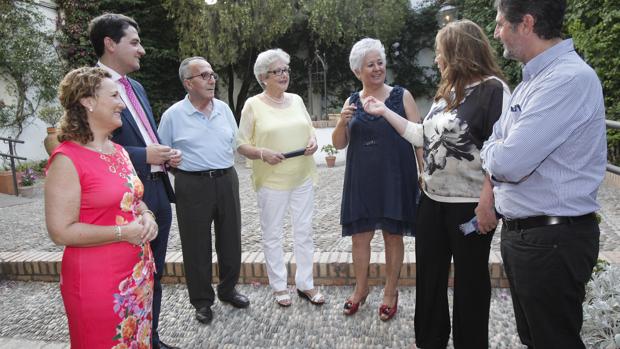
<point x="380" y="186"/>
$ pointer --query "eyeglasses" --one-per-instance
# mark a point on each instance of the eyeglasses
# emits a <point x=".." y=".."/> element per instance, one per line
<point x="205" y="76"/>
<point x="280" y="71"/>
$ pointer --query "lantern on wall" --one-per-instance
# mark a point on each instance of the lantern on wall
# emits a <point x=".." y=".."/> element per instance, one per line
<point x="447" y="13"/>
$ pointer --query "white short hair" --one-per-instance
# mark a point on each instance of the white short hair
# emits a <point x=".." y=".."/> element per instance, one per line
<point x="184" y="67"/>
<point x="267" y="58"/>
<point x="361" y="49"/>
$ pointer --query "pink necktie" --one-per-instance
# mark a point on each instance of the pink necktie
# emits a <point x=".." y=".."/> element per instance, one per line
<point x="138" y="108"/>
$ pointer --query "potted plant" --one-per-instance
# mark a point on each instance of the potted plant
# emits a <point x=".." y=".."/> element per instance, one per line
<point x="51" y="114"/>
<point x="331" y="152"/>
<point x="26" y="183"/>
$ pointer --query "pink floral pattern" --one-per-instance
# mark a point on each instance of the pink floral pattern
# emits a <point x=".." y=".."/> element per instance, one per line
<point x="133" y="302"/>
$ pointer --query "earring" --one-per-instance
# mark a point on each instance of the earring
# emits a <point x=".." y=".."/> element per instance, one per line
<point x="90" y="110"/>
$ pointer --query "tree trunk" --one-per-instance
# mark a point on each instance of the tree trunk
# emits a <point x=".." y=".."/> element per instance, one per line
<point x="231" y="88"/>
<point x="242" y="96"/>
<point x="248" y="77"/>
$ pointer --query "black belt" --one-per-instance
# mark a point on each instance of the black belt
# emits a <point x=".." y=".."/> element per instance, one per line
<point x="208" y="173"/>
<point x="153" y="176"/>
<point x="541" y="221"/>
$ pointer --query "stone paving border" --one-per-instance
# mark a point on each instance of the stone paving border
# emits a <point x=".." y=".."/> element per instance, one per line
<point x="330" y="268"/>
<point x="612" y="179"/>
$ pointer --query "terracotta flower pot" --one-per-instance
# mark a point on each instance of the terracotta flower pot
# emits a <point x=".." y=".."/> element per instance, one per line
<point x="6" y="182"/>
<point x="330" y="160"/>
<point x="51" y="140"/>
<point x="27" y="192"/>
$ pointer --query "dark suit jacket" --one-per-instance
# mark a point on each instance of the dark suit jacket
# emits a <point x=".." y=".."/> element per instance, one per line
<point x="130" y="138"/>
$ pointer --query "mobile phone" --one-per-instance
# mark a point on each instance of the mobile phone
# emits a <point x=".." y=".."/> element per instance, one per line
<point x="294" y="153"/>
<point x="471" y="226"/>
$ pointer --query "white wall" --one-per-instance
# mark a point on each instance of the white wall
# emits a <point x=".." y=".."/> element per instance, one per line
<point x="425" y="58"/>
<point x="324" y="136"/>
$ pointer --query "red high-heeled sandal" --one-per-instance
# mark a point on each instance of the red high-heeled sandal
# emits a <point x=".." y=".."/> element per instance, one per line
<point x="386" y="312"/>
<point x="351" y="308"/>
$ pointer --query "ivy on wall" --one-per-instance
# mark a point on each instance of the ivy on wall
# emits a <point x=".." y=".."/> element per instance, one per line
<point x="595" y="28"/>
<point x="159" y="67"/>
<point x="73" y="40"/>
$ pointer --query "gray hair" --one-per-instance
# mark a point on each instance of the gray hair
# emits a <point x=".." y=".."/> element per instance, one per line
<point x="361" y="49"/>
<point x="267" y="58"/>
<point x="184" y="67"/>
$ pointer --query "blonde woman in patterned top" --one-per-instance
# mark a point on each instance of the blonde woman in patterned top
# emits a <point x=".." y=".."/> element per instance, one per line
<point x="469" y="100"/>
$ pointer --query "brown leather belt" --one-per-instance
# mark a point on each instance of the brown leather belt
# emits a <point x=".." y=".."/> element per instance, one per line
<point x="541" y="221"/>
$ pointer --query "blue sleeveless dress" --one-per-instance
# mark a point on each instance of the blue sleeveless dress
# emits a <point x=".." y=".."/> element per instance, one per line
<point x="380" y="181"/>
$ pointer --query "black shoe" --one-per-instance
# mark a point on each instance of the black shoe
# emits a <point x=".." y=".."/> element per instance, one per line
<point x="236" y="299"/>
<point x="162" y="345"/>
<point x="204" y="315"/>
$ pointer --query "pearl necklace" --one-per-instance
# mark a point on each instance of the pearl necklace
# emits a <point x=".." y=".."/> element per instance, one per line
<point x="276" y="101"/>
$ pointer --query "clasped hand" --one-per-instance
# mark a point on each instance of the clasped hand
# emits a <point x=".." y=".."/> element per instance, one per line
<point x="311" y="147"/>
<point x="157" y="154"/>
<point x="347" y="113"/>
<point x="273" y="158"/>
<point x="487" y="220"/>
<point x="140" y="230"/>
<point x="373" y="106"/>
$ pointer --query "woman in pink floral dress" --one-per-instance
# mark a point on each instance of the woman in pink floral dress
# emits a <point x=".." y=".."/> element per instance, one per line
<point x="93" y="207"/>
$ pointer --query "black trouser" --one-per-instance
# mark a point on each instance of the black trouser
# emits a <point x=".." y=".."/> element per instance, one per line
<point x="156" y="198"/>
<point x="548" y="268"/>
<point x="438" y="240"/>
<point x="201" y="201"/>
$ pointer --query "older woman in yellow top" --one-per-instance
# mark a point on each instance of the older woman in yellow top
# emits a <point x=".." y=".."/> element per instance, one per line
<point x="276" y="132"/>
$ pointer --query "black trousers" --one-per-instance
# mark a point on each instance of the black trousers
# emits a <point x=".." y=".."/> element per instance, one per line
<point x="156" y="198"/>
<point x="548" y="268"/>
<point x="438" y="240"/>
<point x="201" y="201"/>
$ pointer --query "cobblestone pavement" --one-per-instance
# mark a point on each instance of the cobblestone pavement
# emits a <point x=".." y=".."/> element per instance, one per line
<point x="32" y="315"/>
<point x="33" y="311"/>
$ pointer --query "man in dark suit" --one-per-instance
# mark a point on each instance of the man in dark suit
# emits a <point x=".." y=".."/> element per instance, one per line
<point x="117" y="44"/>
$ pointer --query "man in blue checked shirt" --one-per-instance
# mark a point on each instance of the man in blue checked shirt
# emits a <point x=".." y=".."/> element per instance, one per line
<point x="547" y="159"/>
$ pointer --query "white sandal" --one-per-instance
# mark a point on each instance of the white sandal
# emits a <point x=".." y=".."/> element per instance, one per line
<point x="283" y="298"/>
<point x="317" y="299"/>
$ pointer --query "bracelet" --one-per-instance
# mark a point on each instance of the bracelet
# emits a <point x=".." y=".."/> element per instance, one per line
<point x="149" y="212"/>
<point x="261" y="155"/>
<point x="119" y="233"/>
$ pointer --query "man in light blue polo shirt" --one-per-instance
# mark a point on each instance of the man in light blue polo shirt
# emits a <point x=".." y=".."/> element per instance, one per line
<point x="206" y="186"/>
<point x="546" y="159"/>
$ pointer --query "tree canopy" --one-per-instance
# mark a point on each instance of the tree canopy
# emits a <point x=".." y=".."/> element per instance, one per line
<point x="28" y="63"/>
<point x="483" y="12"/>
<point x="230" y="34"/>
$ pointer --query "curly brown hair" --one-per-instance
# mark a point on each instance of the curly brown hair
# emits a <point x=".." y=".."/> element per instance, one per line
<point x="468" y="57"/>
<point x="77" y="84"/>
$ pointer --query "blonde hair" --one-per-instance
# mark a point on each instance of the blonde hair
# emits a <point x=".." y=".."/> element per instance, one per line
<point x="77" y="84"/>
<point x="467" y="57"/>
